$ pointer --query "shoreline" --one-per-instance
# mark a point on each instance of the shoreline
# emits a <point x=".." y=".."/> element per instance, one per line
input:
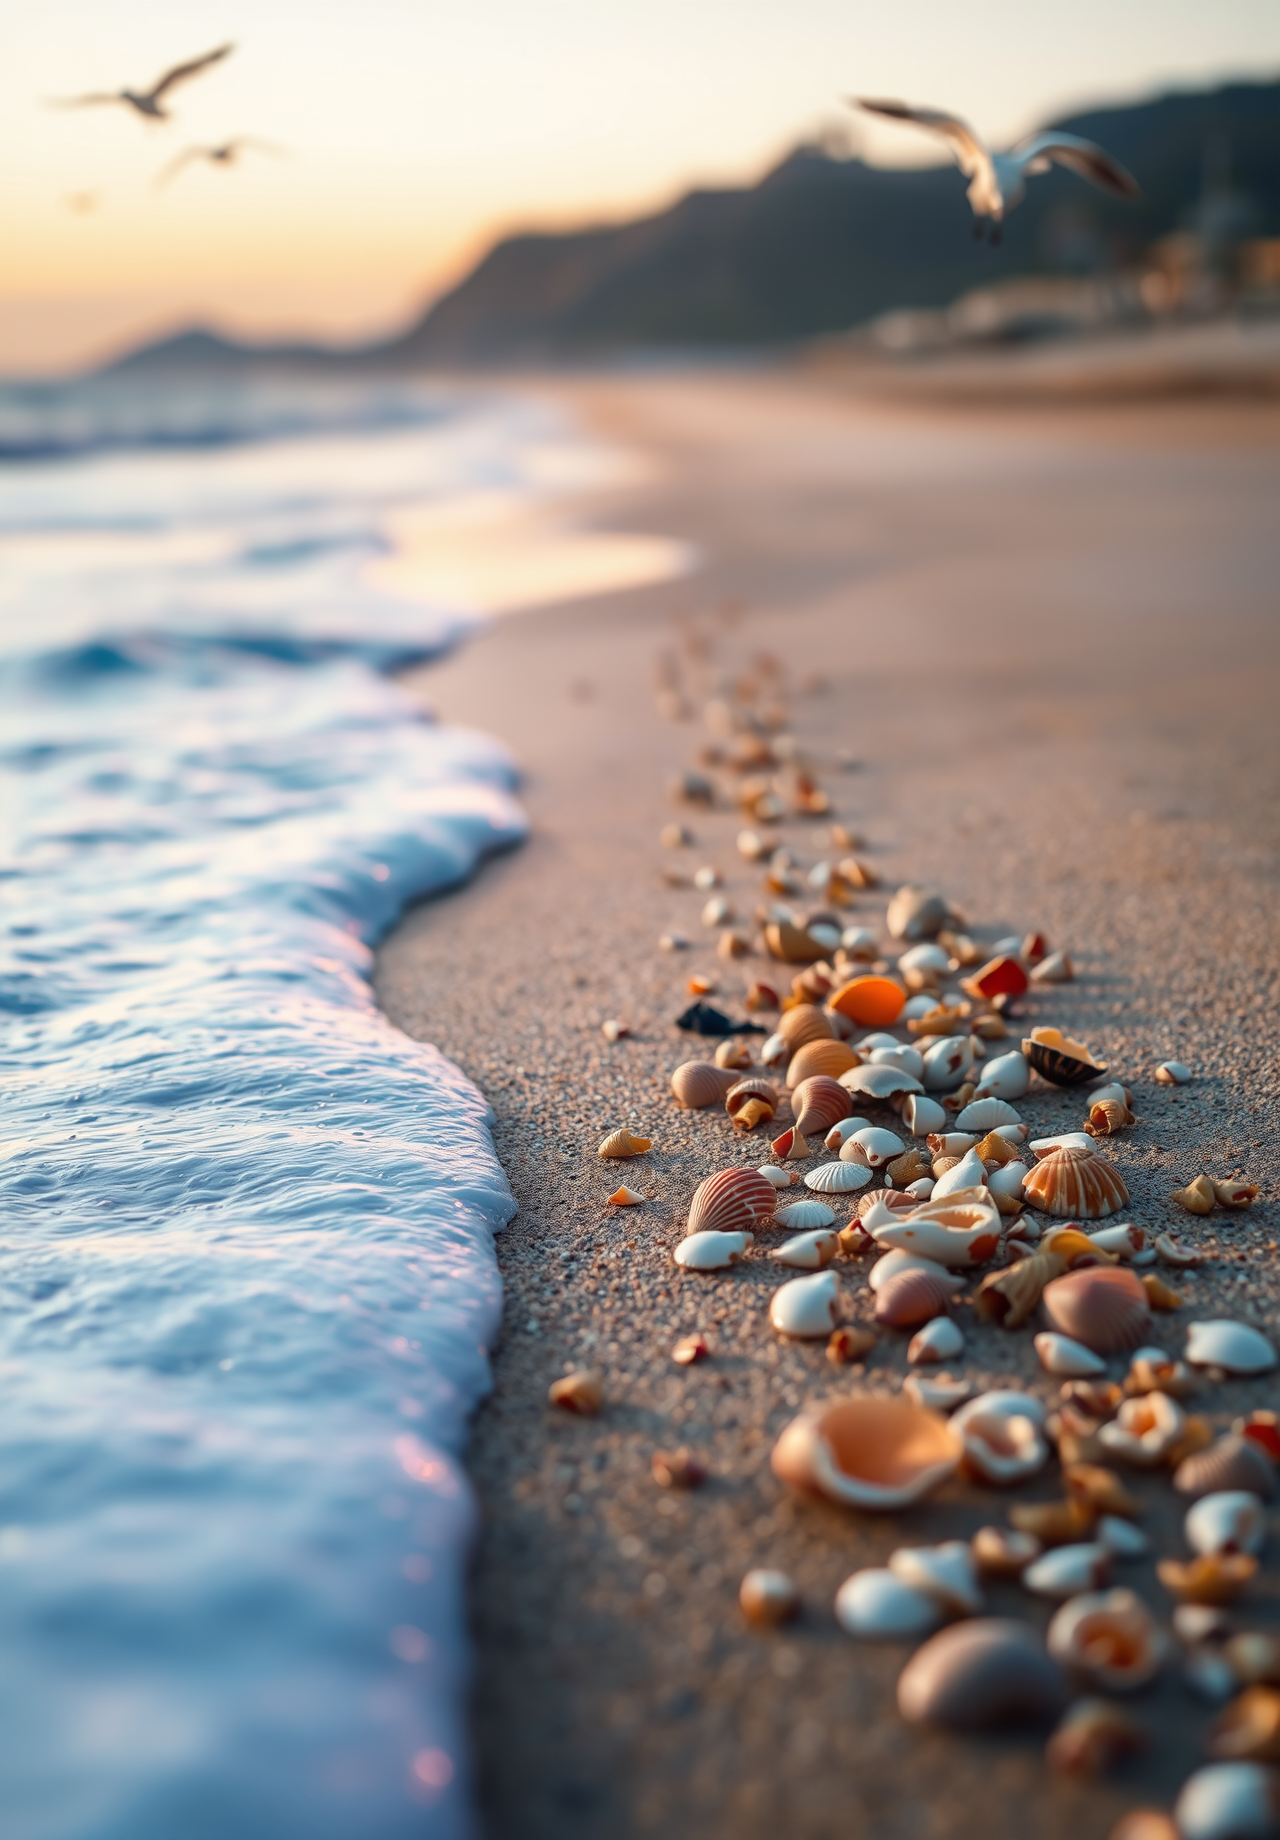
<point x="1009" y="619"/>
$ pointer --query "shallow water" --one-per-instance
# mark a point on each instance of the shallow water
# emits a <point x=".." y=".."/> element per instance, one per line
<point x="246" y="1235"/>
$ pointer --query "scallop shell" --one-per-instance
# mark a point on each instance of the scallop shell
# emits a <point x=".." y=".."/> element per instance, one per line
<point x="945" y="1573"/>
<point x="921" y="1115"/>
<point x="819" y="1103"/>
<point x="1060" y="1355"/>
<point x="1234" y="1462"/>
<point x="622" y="1143"/>
<point x="874" y="1082"/>
<point x="711" y="1250"/>
<point x="986" y="1114"/>
<point x="1005" y="1076"/>
<point x="812" y="1251"/>
<point x="802" y="1216"/>
<point x="1075" y="1184"/>
<point x="1228" y="1801"/>
<point x="870" y="1451"/>
<point x="1144" y="1431"/>
<point x="1109" y="1637"/>
<point x="939" y="1340"/>
<point x="768" y="1598"/>
<point x="837" y="1178"/>
<point x="730" y="1200"/>
<point x="911" y="1298"/>
<point x="870" y="1001"/>
<point x="947" y="1062"/>
<point x="991" y="1671"/>
<point x="698" y="1083"/>
<point x="1232" y="1520"/>
<point x="1060" y="1061"/>
<point x="827" y="1057"/>
<point x="1232" y="1346"/>
<point x="1105" y="1307"/>
<point x="876" y="1605"/>
<point x="804" y="1023"/>
<point x="806" y="1307"/>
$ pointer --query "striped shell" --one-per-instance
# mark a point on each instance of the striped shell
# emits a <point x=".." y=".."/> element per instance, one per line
<point x="879" y="1082"/>
<point x="1075" y="1184"/>
<point x="750" y="1088"/>
<point x="1232" y="1463"/>
<point x="698" y="1083"/>
<point x="911" y="1298"/>
<point x="837" y="1178"/>
<point x="818" y="1103"/>
<point x="1103" y="1306"/>
<point x="802" y="1215"/>
<point x="806" y="1022"/>
<point x="1061" y="1062"/>
<point x="730" y="1201"/>
<point x="830" y="1057"/>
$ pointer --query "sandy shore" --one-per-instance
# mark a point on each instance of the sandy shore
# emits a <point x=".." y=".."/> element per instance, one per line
<point x="1049" y="643"/>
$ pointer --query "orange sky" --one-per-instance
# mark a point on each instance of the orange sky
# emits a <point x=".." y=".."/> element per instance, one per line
<point x="416" y="131"/>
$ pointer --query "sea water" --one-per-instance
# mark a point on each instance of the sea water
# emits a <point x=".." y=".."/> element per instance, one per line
<point x="246" y="1226"/>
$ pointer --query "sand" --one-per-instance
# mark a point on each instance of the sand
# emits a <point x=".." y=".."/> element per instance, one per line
<point x="1042" y="665"/>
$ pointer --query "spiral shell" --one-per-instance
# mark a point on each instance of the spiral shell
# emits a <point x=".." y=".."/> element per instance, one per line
<point x="1075" y="1184"/>
<point x="837" y="1178"/>
<point x="819" y="1103"/>
<point x="751" y="1102"/>
<point x="731" y="1201"/>
<point x="1103" y="1306"/>
<point x="1232" y="1463"/>
<point x="911" y="1298"/>
<point x="869" y="1451"/>
<point x="1060" y="1061"/>
<point x="805" y="1023"/>
<point x="623" y="1143"/>
<point x="828" y="1057"/>
<point x="698" y="1083"/>
<point x="989" y="1671"/>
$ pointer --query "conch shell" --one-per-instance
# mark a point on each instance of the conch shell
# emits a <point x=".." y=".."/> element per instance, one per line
<point x="622" y="1143"/>
<point x="1077" y="1184"/>
<point x="751" y="1102"/>
<point x="870" y="1451"/>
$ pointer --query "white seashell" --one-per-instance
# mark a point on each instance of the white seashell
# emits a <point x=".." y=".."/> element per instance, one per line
<point x="1010" y="1404"/>
<point x="837" y="1178"/>
<point x="844" y="1128"/>
<point x="717" y="911"/>
<point x="925" y="957"/>
<point x="951" y="1143"/>
<point x="808" y="1251"/>
<point x="807" y="1307"/>
<point x="1055" y="969"/>
<point x="828" y="936"/>
<point x="779" y="1178"/>
<point x="921" y="1115"/>
<point x="947" y="1062"/>
<point x="1201" y="1623"/>
<point x="1113" y="1091"/>
<point x="954" y="1247"/>
<point x="967" y="1173"/>
<point x="1069" y="1140"/>
<point x="802" y="1215"/>
<point x="1008" y="1180"/>
<point x="946" y="1574"/>
<point x="1144" y="1430"/>
<point x="937" y="1392"/>
<point x="879" y="1038"/>
<point x="939" y="1340"/>
<point x="1015" y="1134"/>
<point x="1228" y="1801"/>
<point x="1121" y="1537"/>
<point x="878" y="1146"/>
<point x="877" y="1606"/>
<point x="1233" y="1521"/>
<point x="1233" y="1346"/>
<point x="1008" y="947"/>
<point x="1067" y="1571"/>
<point x="894" y="1262"/>
<point x="1173" y="1073"/>
<point x="774" y="1051"/>
<point x="874" y="1211"/>
<point x="1071" y="1360"/>
<point x="860" y="942"/>
<point x="915" y="1007"/>
<point x="900" y="1055"/>
<point x="872" y="1082"/>
<point x="985" y="1114"/>
<point x="1000" y="1446"/>
<point x="921" y="1189"/>
<point x="712" y="1251"/>
<point x="1124" y="1239"/>
<point x="1005" y="1076"/>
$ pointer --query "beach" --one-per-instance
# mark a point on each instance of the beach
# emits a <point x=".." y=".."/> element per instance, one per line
<point x="1033" y="655"/>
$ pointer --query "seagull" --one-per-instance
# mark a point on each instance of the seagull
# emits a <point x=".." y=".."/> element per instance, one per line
<point x="227" y="154"/>
<point x="149" y="103"/>
<point x="998" y="181"/>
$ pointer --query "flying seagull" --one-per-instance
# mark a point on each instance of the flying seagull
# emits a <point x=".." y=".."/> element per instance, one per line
<point x="228" y="154"/>
<point x="998" y="181"/>
<point x="150" y="103"/>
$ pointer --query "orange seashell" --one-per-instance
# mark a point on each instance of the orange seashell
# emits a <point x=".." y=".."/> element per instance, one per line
<point x="870" y="1451"/>
<point x="819" y="1102"/>
<point x="871" y="1002"/>
<point x="1214" y="1578"/>
<point x="731" y="1201"/>
<point x="806" y="1022"/>
<point x="581" y="1392"/>
<point x="625" y="1197"/>
<point x="849" y="1344"/>
<point x="1076" y="1184"/>
<point x="912" y="1298"/>
<point x="623" y="1143"/>
<point x="699" y="1083"/>
<point x="830" y="1057"/>
<point x="1249" y="1728"/>
<point x="1103" y="1306"/>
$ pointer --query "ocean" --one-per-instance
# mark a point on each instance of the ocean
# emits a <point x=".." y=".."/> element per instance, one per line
<point x="249" y="1283"/>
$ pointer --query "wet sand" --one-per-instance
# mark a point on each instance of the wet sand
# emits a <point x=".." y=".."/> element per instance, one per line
<point x="1047" y="643"/>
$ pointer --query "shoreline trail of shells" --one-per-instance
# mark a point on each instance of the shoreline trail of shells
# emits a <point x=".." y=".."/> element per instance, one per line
<point x="875" y="1160"/>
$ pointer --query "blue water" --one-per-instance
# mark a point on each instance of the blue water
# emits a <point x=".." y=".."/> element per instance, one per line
<point x="246" y="1227"/>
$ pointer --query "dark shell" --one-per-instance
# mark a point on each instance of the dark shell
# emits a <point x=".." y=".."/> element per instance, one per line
<point x="1058" y="1068"/>
<point x="911" y="1298"/>
<point x="706" y="1019"/>
<point x="1232" y="1463"/>
<point x="990" y="1671"/>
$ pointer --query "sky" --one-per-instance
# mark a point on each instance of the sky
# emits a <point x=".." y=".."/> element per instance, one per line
<point x="412" y="132"/>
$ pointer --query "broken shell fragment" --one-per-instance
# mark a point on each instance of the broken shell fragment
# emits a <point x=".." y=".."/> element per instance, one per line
<point x="1054" y="1523"/>
<point x="1003" y="1552"/>
<point x="991" y="1671"/>
<point x="806" y="1308"/>
<point x="1153" y="1372"/>
<point x="750" y="1102"/>
<point x="1100" y="1489"/>
<point x="875" y="1081"/>
<point x="1178" y="1252"/>
<point x="1233" y="1462"/>
<point x="1060" y="1355"/>
<point x="732" y="1199"/>
<point x="1228" y="1801"/>
<point x="937" y="1392"/>
<point x="947" y="1062"/>
<point x="875" y="1146"/>
<point x="1105" y="1307"/>
<point x="711" y="1250"/>
<point x="791" y="1146"/>
<point x="848" y="1344"/>
<point x="946" y="1574"/>
<point x="581" y="1392"/>
<point x="699" y="1083"/>
<point x="939" y="1340"/>
<point x="1197" y="1197"/>
<point x="1059" y="1060"/>
<point x="768" y="1598"/>
<point x="691" y="1348"/>
<point x="916" y="913"/>
<point x="1145" y="1430"/>
<point x="1249" y="1728"/>
<point x="778" y="1178"/>
<point x="1009" y="1296"/>
<point x="1124" y="1241"/>
<point x="790" y="944"/>
<point x="613" y="1030"/>
<point x="1093" y="1738"/>
<point x="923" y="1115"/>
<point x="1110" y="1638"/>
<point x="625" y="1197"/>
<point x="819" y="1104"/>
<point x="1232" y="1520"/>
<point x="1160" y="1296"/>
<point x="623" y="1144"/>
<point x="1236" y="1194"/>
<point x="1005" y="1076"/>
<point x="871" y="1451"/>
<point x="1003" y="976"/>
<point x="876" y="1605"/>
<point x="1002" y="1445"/>
<point x="1173" y="1073"/>
<point x="1068" y="1571"/>
<point x="677" y="1469"/>
<point x="733" y="1055"/>
<point x="1057" y="968"/>
<point x="1213" y="1578"/>
<point x="1075" y="1183"/>
<point x="808" y="1251"/>
<point x="1235" y="1347"/>
<point x="962" y="1235"/>
<point x="1261" y="1427"/>
<point x="837" y="1178"/>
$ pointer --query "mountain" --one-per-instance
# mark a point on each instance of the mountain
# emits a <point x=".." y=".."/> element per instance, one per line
<point x="822" y="244"/>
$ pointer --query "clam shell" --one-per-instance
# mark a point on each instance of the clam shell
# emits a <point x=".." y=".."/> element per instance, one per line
<point x="1232" y="1346"/>
<point x="699" y="1083"/>
<point x="986" y="1114"/>
<point x="874" y="1082"/>
<point x="806" y="1022"/>
<point x="807" y="1307"/>
<point x="878" y="1606"/>
<point x="837" y="1178"/>
<point x="916" y="913"/>
<point x="711" y="1251"/>
<point x="1005" y="1076"/>
<point x="871" y="1001"/>
<point x="895" y="1262"/>
<point x="730" y="1200"/>
<point x="1232" y="1463"/>
<point x="947" y="1062"/>
<point x="1144" y="1431"/>
<point x="945" y="1573"/>
<point x="1075" y="1184"/>
<point x="992" y="1671"/>
<point x="1228" y="1801"/>
<point x="819" y="1103"/>
<point x="910" y="1298"/>
<point x="811" y="1251"/>
<point x="939" y="1340"/>
<point x="1060" y="1061"/>
<point x="876" y="1145"/>
<point x="1103" y="1306"/>
<point x="921" y="1115"/>
<point x="870" y="1451"/>
<point x="827" y="1057"/>
<point x="1233" y="1520"/>
<point x="802" y="1216"/>
<point x="1060" y="1355"/>
<point x="1109" y="1637"/>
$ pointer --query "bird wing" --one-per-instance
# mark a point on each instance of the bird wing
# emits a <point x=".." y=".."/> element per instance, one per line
<point x="182" y="73"/>
<point x="85" y="102"/>
<point x="968" y="151"/>
<point x="1039" y="151"/>
<point x="176" y="165"/>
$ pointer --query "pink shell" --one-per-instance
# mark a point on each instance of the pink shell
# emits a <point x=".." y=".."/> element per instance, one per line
<point x="818" y="1103"/>
<point x="911" y="1298"/>
<point x="698" y="1083"/>
<point x="731" y="1201"/>
<point x="806" y="1022"/>
<point x="829" y="1057"/>
<point x="1075" y="1184"/>
<point x="1103" y="1306"/>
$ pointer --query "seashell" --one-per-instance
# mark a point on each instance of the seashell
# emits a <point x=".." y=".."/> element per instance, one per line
<point x="1100" y="1490"/>
<point x="806" y="1307"/>
<point x="613" y="1030"/>
<point x="1262" y="1428"/>
<point x="1105" y="1307"/>
<point x="805" y="1022"/>
<point x="877" y="1146"/>
<point x="876" y="1605"/>
<point x="965" y="1174"/>
<point x="1075" y="1183"/>
<point x="1153" y="1372"/>
<point x="1144" y="1824"/>
<point x="1195" y="1623"/>
<point x="986" y="1114"/>
<point x="1213" y="1578"/>
<point x="854" y="1242"/>
<point x="1228" y="1801"/>
<point x="908" y="1168"/>
<point x="774" y="1051"/>
<point x="837" y="1178"/>
<point x="581" y="1392"/>
<point x="921" y="1190"/>
<point x="990" y="1671"/>
<point x="1160" y="1295"/>
<point x="1008" y="1297"/>
<point x="1005" y="1076"/>
<point x="1122" y="1240"/>
<point x="778" y="1178"/>
<point x="939" y="1340"/>
<point x="1233" y="1520"/>
<point x="625" y="1197"/>
<point x="801" y="1216"/>
<point x="1249" y="1728"/>
<point x="844" y="1128"/>
<point x="768" y="1598"/>
<point x="674" y="942"/>
<point x="946" y="1574"/>
<point x="1094" y="1738"/>
<point x="1002" y="976"/>
<point x="1121" y="1538"/>
<point x="677" y="1469"/>
<point x="877" y="1082"/>
<point x="1060" y="1355"/>
<point x="1099" y="1398"/>
<point x="733" y="1055"/>
<point x="711" y="1250"/>
<point x="760" y="997"/>
<point x="717" y="911"/>
<point x="947" y="1062"/>
<point x="732" y="1199"/>
<point x="904" y="1057"/>
<point x="733" y="943"/>
<point x="1107" y="1116"/>
<point x="860" y="942"/>
<point x="819" y="1104"/>
<point x="1144" y="1431"/>
<point x="689" y="1349"/>
<point x="1003" y="1552"/>
<point x="1254" y="1656"/>
<point x="791" y="1146"/>
<point x="956" y="1237"/>
<point x="1173" y="1073"/>
<point x="921" y="1115"/>
<point x="928" y="956"/>
<point x="1054" y="1523"/>
<point x="910" y="1298"/>
<point x="884" y="1206"/>
<point x="1000" y="1446"/>
<point x="1068" y="1140"/>
<point x="750" y="1102"/>
<point x="1233" y="1462"/>
<point x="870" y="1001"/>
<point x="1197" y="1197"/>
<point x="622" y="1143"/>
<point x="831" y="1058"/>
<point x="699" y="1083"/>
<point x="938" y="1392"/>
<point x="951" y="1143"/>
<point x="1232" y="1346"/>
<point x="894" y="1263"/>
<point x="1060" y="1061"/>
<point x="791" y="944"/>
<point x="870" y="1451"/>
<point x="812" y="1251"/>
<point x="996" y="1151"/>
<point x="849" y="1344"/>
<point x="1057" y="968"/>
<point x="916" y="913"/>
<point x="1109" y="1637"/>
<point x="1236" y="1194"/>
